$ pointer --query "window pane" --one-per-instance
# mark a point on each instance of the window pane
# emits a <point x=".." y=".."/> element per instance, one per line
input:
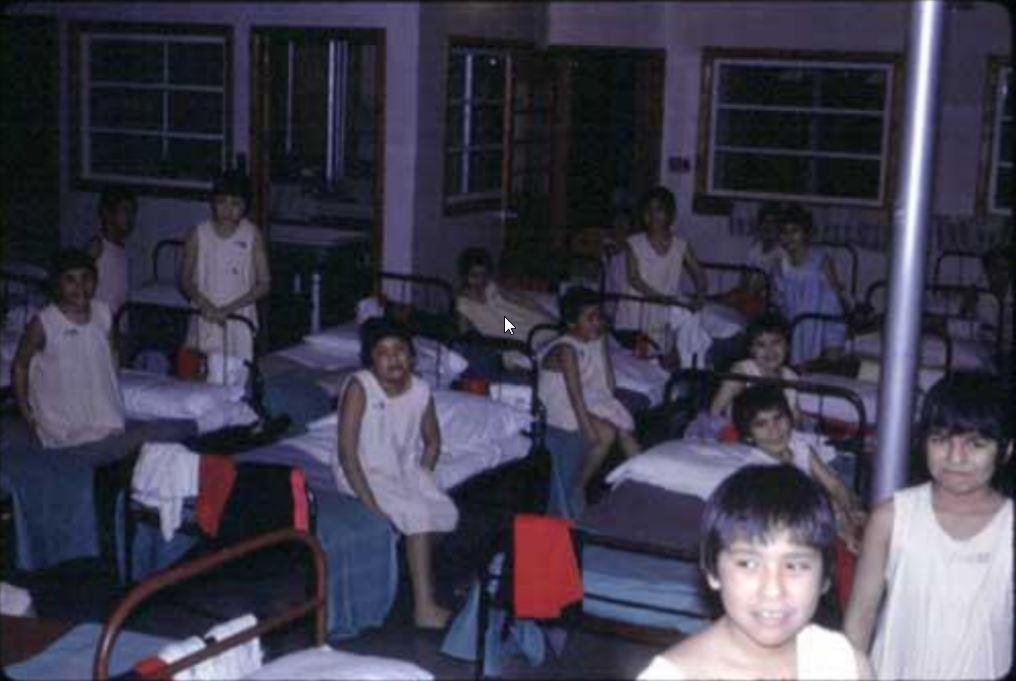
<point x="485" y="171"/>
<point x="195" y="112"/>
<point x="454" y="130"/>
<point x="1005" y="143"/>
<point x="1003" y="189"/>
<point x="488" y="77"/>
<point x="119" y="108"/>
<point x="453" y="173"/>
<point x="761" y="173"/>
<point x="857" y="134"/>
<point x="126" y="154"/>
<point x="131" y="61"/>
<point x="852" y="89"/>
<point x="197" y="159"/>
<point x="456" y="75"/>
<point x="762" y="129"/>
<point x="487" y="124"/>
<point x="847" y="178"/>
<point x="745" y="84"/>
<point x="196" y="63"/>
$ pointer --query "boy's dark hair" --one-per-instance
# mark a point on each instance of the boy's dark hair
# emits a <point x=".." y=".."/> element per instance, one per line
<point x="967" y="401"/>
<point x="573" y="302"/>
<point x="795" y="213"/>
<point x="70" y="259"/>
<point x="374" y="330"/>
<point x="771" y="322"/>
<point x="232" y="183"/>
<point x="769" y="209"/>
<point x="112" y="196"/>
<point x="666" y="199"/>
<point x="471" y="257"/>
<point x="753" y="399"/>
<point x="758" y="501"/>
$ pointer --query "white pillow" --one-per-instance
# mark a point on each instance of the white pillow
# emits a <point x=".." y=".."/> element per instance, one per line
<point x="688" y="466"/>
<point x="328" y="664"/>
<point x="344" y="338"/>
<point x="159" y="396"/>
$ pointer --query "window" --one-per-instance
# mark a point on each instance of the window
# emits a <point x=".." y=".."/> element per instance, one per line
<point x="152" y="107"/>
<point x="807" y="127"/>
<point x="999" y="120"/>
<point x="475" y="124"/>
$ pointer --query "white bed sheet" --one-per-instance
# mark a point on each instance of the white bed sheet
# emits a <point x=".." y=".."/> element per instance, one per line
<point x="327" y="664"/>
<point x="149" y="396"/>
<point x="966" y="353"/>
<point x="837" y="408"/>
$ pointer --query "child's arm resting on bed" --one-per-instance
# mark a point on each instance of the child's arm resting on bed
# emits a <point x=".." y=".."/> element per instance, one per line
<point x="354" y="403"/>
<point x="869" y="579"/>
<point x="431" y="432"/>
<point x="32" y="341"/>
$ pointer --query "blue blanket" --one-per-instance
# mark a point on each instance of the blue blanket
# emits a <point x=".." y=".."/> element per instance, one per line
<point x="52" y="490"/>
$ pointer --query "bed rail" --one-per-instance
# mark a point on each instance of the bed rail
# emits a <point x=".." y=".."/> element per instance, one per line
<point x="315" y="604"/>
<point x="965" y="260"/>
<point x="744" y="272"/>
<point x="840" y="251"/>
<point x="425" y="302"/>
<point x="175" y="245"/>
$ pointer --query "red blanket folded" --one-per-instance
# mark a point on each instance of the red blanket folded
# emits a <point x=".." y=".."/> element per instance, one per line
<point x="301" y="513"/>
<point x="216" y="475"/>
<point x="546" y="573"/>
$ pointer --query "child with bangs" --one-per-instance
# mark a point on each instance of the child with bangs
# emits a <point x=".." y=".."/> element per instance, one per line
<point x="766" y="547"/>
<point x="938" y="556"/>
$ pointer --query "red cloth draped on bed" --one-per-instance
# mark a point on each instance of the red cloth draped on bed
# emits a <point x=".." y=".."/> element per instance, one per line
<point x="546" y="572"/>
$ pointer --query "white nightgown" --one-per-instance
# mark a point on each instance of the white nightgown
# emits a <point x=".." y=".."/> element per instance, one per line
<point x="390" y="449"/>
<point x="599" y="399"/>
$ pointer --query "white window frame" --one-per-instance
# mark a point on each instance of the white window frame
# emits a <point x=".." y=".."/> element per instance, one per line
<point x="85" y="129"/>
<point x="462" y="146"/>
<point x="884" y="157"/>
<point x="996" y="162"/>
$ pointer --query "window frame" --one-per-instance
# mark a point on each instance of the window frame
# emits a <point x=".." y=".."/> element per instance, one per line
<point x="83" y="179"/>
<point x="999" y="76"/>
<point x="711" y="200"/>
<point x="459" y="202"/>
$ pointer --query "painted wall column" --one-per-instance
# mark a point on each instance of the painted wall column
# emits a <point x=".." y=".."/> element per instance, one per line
<point x="902" y="331"/>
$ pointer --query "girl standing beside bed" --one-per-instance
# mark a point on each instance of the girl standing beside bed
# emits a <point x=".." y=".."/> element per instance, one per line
<point x="389" y="440"/>
<point x="65" y="378"/>
<point x="934" y="582"/>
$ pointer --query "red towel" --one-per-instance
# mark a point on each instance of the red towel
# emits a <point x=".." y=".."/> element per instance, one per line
<point x="845" y="564"/>
<point x="151" y="668"/>
<point x="216" y="474"/>
<point x="730" y="433"/>
<point x="546" y="573"/>
<point x="190" y="364"/>
<point x="301" y="514"/>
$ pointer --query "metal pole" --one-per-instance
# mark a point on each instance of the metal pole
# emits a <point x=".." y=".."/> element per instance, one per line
<point x="902" y="332"/>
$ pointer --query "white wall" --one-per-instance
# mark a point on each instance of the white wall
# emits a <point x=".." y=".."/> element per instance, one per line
<point x="159" y="218"/>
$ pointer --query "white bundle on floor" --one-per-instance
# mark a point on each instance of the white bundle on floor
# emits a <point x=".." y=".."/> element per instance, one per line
<point x="166" y="473"/>
<point x="236" y="663"/>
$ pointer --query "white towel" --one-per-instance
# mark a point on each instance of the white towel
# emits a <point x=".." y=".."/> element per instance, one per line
<point x="180" y="649"/>
<point x="368" y="308"/>
<point x="15" y="601"/>
<point x="241" y="661"/>
<point x="166" y="473"/>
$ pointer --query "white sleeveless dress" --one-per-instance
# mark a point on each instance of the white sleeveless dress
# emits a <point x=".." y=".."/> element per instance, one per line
<point x="599" y="399"/>
<point x="948" y="610"/>
<point x="111" y="267"/>
<point x="224" y="272"/>
<point x="73" y="388"/>
<point x="801" y="289"/>
<point x="822" y="655"/>
<point x="488" y="319"/>
<point x="663" y="273"/>
<point x="390" y="449"/>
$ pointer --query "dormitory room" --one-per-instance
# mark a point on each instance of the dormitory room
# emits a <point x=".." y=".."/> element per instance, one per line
<point x="523" y="340"/>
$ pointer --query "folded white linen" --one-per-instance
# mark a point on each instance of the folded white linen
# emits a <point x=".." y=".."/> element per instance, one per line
<point x="327" y="664"/>
<point x="166" y="473"/>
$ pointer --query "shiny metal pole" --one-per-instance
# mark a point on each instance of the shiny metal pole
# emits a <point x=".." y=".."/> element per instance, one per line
<point x="902" y="332"/>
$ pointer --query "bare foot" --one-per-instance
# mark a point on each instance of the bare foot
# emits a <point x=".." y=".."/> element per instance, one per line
<point x="431" y="617"/>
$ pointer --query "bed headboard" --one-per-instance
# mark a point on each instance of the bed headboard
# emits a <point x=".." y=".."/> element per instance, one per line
<point x="426" y="303"/>
<point x="966" y="268"/>
<point x="723" y="276"/>
<point x="174" y="247"/>
<point x="316" y="604"/>
<point x="22" y="291"/>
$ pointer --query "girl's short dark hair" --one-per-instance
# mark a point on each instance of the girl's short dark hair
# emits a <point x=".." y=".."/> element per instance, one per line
<point x="112" y="196"/>
<point x="666" y="199"/>
<point x="70" y="259"/>
<point x="754" y="399"/>
<point x="796" y="214"/>
<point x="771" y="322"/>
<point x="769" y="209"/>
<point x="962" y="402"/>
<point x="232" y="183"/>
<point x="757" y="502"/>
<point x="574" y="301"/>
<point x="376" y="329"/>
<point x="471" y="257"/>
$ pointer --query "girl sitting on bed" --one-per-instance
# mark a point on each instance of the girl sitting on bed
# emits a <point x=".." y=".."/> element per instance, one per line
<point x="65" y="378"/>
<point x="937" y="558"/>
<point x="483" y="305"/>
<point x="389" y="442"/>
<point x="764" y="419"/>
<point x="766" y="339"/>
<point x="805" y="281"/>
<point x="767" y="539"/>
<point x="576" y="384"/>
